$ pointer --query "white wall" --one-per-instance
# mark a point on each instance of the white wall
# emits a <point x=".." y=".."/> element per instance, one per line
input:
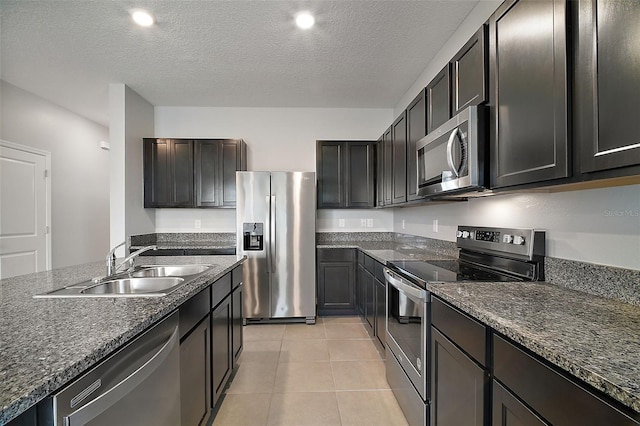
<point x="596" y="225"/>
<point x="328" y="220"/>
<point x="277" y="139"/>
<point x="79" y="171"/>
<point x="131" y="118"/>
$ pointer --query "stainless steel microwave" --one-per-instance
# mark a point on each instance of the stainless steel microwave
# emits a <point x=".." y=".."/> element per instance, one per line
<point x="451" y="159"/>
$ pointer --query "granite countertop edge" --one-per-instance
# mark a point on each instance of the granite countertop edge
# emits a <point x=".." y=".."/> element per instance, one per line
<point x="22" y="399"/>
<point x="509" y="328"/>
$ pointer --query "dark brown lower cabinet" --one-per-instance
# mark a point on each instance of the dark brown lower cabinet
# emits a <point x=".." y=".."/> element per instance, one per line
<point x="221" y="347"/>
<point x="336" y="269"/>
<point x="458" y="385"/>
<point x="368" y="282"/>
<point x="381" y="305"/>
<point x="195" y="378"/>
<point x="236" y="332"/>
<point x="509" y="411"/>
<point x="557" y="399"/>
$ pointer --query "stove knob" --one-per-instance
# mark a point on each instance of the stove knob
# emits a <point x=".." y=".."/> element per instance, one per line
<point x="519" y="240"/>
<point x="465" y="234"/>
<point x="459" y="234"/>
<point x="507" y="239"/>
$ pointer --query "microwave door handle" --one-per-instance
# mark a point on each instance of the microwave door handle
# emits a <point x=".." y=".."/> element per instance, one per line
<point x="409" y="289"/>
<point x="452" y="166"/>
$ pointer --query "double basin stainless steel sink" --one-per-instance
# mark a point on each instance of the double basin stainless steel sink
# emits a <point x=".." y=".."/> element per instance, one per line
<point x="143" y="281"/>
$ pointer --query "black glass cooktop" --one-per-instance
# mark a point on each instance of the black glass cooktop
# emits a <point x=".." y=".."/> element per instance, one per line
<point x="447" y="271"/>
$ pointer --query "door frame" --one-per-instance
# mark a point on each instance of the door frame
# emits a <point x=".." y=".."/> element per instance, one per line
<point x="47" y="158"/>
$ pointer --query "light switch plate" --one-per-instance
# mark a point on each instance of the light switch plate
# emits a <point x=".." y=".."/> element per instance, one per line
<point x="435" y="225"/>
<point x="340" y="223"/>
<point x="369" y="223"/>
<point x="198" y="223"/>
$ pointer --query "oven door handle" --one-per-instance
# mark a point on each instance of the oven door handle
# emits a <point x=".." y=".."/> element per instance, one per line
<point x="404" y="286"/>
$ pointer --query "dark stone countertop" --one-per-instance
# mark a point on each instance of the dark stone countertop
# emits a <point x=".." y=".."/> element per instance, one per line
<point x="45" y="343"/>
<point x="591" y="337"/>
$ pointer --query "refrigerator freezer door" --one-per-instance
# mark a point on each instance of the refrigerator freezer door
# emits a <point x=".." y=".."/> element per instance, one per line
<point x="252" y="206"/>
<point x="293" y="244"/>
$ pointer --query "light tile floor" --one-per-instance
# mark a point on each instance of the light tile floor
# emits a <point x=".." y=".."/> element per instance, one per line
<point x="325" y="374"/>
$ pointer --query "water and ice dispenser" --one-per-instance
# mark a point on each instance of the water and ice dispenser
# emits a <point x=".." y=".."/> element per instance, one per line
<point x="253" y="236"/>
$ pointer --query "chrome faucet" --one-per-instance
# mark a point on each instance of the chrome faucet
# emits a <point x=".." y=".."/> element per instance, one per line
<point x="111" y="258"/>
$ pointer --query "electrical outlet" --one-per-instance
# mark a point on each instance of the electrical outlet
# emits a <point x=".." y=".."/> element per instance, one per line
<point x="403" y="224"/>
<point x="340" y="223"/>
<point x="363" y="223"/>
<point x="435" y="225"/>
<point x="369" y="223"/>
<point x="198" y="223"/>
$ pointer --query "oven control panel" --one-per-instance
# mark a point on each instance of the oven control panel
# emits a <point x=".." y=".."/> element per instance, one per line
<point x="525" y="243"/>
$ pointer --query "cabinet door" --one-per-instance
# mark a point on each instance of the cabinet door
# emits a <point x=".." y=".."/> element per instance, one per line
<point x="438" y="95"/>
<point x="388" y="167"/>
<point x="469" y="72"/>
<point x="529" y="92"/>
<point x="381" y="306"/>
<point x="336" y="293"/>
<point x="607" y="81"/>
<point x="236" y="332"/>
<point x="360" y="294"/>
<point x="457" y="385"/>
<point x="207" y="172"/>
<point x="182" y="172"/>
<point x="168" y="173"/>
<point x="233" y="159"/>
<point x="195" y="376"/>
<point x="369" y="302"/>
<point x="416" y="130"/>
<point x="380" y="172"/>
<point x="330" y="166"/>
<point x="360" y="183"/>
<point x="509" y="411"/>
<point x="221" y="349"/>
<point x="399" y="142"/>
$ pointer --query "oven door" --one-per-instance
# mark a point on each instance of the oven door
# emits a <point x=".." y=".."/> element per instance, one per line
<point x="407" y="324"/>
<point x="451" y="158"/>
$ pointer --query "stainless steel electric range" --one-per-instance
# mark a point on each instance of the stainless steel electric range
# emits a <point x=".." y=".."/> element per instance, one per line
<point x="485" y="255"/>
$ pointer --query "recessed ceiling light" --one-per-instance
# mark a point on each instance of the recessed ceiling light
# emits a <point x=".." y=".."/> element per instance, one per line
<point x="142" y="17"/>
<point x="305" y="20"/>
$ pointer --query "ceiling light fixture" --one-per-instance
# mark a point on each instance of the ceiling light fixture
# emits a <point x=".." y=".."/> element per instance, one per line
<point x="142" y="17"/>
<point x="305" y="20"/>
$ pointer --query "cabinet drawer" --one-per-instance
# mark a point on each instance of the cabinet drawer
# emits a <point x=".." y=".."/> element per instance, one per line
<point x="556" y="398"/>
<point x="466" y="332"/>
<point x="236" y="277"/>
<point x="193" y="310"/>
<point x="210" y="252"/>
<point x="337" y="254"/>
<point x="220" y="289"/>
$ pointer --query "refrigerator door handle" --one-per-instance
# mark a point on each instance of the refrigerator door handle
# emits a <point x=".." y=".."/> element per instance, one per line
<point x="272" y="237"/>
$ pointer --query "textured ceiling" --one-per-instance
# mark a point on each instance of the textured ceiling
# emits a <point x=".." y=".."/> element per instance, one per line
<point x="223" y="53"/>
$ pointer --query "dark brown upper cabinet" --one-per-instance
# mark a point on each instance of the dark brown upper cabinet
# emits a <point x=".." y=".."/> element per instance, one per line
<point x="388" y="166"/>
<point x="528" y="90"/>
<point x="416" y="130"/>
<point x="469" y="72"/>
<point x="168" y="173"/>
<point x="192" y="173"/>
<point x="216" y="163"/>
<point x="399" y="142"/>
<point x="607" y="84"/>
<point x="439" y="99"/>
<point x="345" y="173"/>
<point x="380" y="172"/>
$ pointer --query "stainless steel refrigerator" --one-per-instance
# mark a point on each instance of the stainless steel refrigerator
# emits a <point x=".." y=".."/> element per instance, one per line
<point x="276" y="224"/>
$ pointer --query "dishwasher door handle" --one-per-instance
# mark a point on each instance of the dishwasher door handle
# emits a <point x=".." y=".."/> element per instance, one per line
<point x="111" y="396"/>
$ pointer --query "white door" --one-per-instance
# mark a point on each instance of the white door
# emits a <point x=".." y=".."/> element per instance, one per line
<point x="24" y="210"/>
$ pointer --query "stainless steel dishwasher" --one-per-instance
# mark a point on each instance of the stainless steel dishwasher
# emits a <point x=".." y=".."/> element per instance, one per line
<point x="138" y="385"/>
